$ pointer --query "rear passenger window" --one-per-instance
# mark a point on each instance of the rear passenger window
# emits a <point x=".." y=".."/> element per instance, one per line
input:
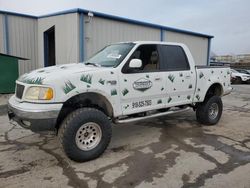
<point x="173" y="58"/>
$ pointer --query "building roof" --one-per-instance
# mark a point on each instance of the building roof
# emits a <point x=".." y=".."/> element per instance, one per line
<point x="11" y="56"/>
<point x="112" y="17"/>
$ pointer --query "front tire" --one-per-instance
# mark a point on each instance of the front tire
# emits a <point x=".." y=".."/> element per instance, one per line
<point x="85" y="134"/>
<point x="209" y="112"/>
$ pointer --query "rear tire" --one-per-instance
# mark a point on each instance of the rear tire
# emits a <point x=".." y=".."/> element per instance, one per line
<point x="209" y="112"/>
<point x="85" y="134"/>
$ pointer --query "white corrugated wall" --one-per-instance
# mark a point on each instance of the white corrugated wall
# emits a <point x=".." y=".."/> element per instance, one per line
<point x="197" y="45"/>
<point x="2" y="50"/>
<point x="66" y="37"/>
<point x="99" y="32"/>
<point x="23" y="41"/>
<point x="26" y="38"/>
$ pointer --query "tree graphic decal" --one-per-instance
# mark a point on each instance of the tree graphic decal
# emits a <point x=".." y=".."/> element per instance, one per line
<point x="171" y="77"/>
<point x="68" y="87"/>
<point x="86" y="78"/>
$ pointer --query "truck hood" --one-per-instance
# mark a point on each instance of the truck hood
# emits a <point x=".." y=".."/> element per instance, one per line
<point x="43" y="75"/>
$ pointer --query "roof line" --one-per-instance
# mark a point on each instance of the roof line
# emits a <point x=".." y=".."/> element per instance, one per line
<point x="117" y="18"/>
<point x="17" y="14"/>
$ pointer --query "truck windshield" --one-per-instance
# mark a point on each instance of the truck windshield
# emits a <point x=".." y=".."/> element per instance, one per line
<point x="110" y="56"/>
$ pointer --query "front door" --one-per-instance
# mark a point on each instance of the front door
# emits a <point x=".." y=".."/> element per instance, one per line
<point x="142" y="89"/>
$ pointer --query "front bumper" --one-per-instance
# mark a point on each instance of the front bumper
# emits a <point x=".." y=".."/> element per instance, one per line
<point x="33" y="116"/>
<point x="245" y="79"/>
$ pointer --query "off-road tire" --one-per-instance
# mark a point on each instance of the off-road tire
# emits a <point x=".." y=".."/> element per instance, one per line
<point x="70" y="126"/>
<point x="203" y="111"/>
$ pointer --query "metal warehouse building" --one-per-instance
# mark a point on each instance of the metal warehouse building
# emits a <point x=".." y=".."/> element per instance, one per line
<point x="74" y="35"/>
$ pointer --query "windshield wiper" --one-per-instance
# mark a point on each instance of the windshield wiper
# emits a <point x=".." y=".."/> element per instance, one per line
<point x="94" y="64"/>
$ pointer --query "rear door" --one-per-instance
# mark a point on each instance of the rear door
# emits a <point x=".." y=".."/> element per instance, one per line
<point x="179" y="77"/>
<point x="142" y="88"/>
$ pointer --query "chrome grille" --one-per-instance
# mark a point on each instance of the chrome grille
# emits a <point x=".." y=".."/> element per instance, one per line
<point x="19" y="91"/>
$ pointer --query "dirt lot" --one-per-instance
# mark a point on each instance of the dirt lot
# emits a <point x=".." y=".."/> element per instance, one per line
<point x="171" y="151"/>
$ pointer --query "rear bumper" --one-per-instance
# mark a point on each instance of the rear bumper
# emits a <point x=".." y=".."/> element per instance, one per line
<point x="36" y="117"/>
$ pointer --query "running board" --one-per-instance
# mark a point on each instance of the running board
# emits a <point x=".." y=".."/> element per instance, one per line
<point x="129" y="120"/>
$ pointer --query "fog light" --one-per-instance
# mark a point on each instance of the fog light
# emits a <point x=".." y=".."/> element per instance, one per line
<point x="26" y="123"/>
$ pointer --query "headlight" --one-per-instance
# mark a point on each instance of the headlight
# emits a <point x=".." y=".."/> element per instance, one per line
<point x="39" y="93"/>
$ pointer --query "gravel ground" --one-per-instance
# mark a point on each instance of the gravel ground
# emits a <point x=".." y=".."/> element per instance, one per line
<point x="171" y="151"/>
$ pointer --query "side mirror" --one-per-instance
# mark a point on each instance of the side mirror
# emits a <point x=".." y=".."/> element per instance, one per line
<point x="135" y="63"/>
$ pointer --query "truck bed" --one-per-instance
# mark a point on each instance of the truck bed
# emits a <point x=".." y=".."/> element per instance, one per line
<point x="209" y="75"/>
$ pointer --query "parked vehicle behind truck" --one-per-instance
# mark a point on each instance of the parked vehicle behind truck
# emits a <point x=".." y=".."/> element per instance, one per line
<point x="122" y="83"/>
<point x="239" y="77"/>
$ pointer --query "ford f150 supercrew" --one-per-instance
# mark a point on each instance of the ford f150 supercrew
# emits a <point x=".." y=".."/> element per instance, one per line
<point x="122" y="83"/>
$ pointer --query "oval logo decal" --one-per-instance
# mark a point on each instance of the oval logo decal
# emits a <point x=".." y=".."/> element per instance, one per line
<point x="142" y="84"/>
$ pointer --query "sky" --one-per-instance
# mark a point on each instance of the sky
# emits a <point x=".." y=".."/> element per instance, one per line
<point x="227" y="20"/>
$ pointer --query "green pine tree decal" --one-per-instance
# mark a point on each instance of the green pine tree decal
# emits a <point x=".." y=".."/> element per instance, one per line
<point x="86" y="78"/>
<point x="101" y="81"/>
<point x="159" y="101"/>
<point x="37" y="81"/>
<point x="169" y="99"/>
<point x="113" y="92"/>
<point x="171" y="77"/>
<point x="197" y="97"/>
<point x="125" y="92"/>
<point x="201" y="75"/>
<point x="68" y="87"/>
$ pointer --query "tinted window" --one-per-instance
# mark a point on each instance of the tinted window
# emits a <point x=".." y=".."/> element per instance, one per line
<point x="173" y="58"/>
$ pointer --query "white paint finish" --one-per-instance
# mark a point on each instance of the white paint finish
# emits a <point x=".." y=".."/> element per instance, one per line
<point x="209" y="76"/>
<point x="66" y="38"/>
<point x="73" y="79"/>
<point x="23" y="41"/>
<point x="100" y="32"/>
<point x="197" y="45"/>
<point x="2" y="50"/>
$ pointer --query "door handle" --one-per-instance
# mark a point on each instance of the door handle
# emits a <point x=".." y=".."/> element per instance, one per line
<point x="187" y="76"/>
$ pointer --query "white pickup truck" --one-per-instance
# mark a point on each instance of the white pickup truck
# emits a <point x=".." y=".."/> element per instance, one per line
<point x="122" y="83"/>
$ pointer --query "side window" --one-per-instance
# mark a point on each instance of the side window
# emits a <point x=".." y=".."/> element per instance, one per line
<point x="149" y="56"/>
<point x="173" y="58"/>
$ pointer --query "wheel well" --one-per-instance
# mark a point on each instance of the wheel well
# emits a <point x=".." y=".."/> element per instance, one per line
<point x="214" y="90"/>
<point x="90" y="99"/>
